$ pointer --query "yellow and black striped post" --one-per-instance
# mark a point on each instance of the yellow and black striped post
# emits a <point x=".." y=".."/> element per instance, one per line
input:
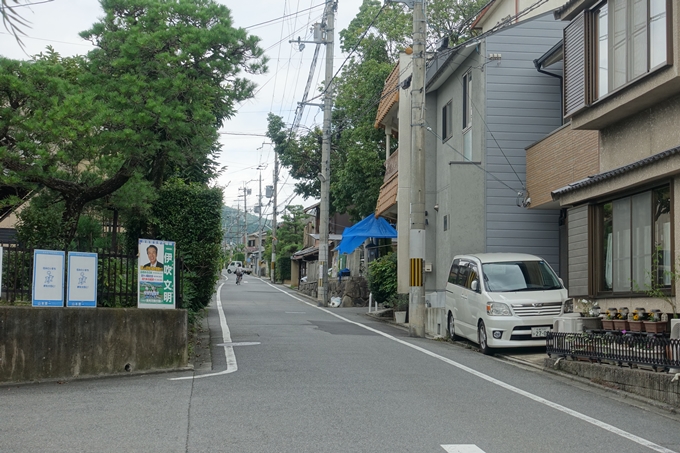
<point x="416" y="272"/>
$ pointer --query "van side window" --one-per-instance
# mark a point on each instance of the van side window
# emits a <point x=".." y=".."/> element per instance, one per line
<point x="472" y="276"/>
<point x="453" y="274"/>
<point x="463" y="273"/>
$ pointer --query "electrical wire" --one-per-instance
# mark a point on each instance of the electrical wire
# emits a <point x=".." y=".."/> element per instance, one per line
<point x="361" y="38"/>
<point x="282" y="17"/>
<point x="448" y="143"/>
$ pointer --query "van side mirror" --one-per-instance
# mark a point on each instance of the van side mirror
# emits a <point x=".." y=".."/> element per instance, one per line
<point x="474" y="286"/>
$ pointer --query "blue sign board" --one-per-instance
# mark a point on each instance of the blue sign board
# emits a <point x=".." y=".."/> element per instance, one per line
<point x="48" y="278"/>
<point x="82" y="279"/>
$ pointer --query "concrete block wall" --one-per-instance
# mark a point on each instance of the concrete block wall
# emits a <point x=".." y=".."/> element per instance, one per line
<point x="653" y="385"/>
<point x="50" y="343"/>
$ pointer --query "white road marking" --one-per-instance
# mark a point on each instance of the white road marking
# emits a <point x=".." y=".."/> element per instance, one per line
<point x="228" y="349"/>
<point x="462" y="449"/>
<point x="531" y="396"/>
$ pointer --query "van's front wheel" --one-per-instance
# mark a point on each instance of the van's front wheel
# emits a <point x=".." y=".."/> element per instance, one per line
<point x="482" y="339"/>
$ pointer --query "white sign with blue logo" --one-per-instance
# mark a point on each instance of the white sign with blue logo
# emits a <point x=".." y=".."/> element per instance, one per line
<point x="82" y="279"/>
<point x="48" y="278"/>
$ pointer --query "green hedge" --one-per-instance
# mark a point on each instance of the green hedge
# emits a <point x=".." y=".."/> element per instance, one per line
<point x="190" y="215"/>
<point x="282" y="268"/>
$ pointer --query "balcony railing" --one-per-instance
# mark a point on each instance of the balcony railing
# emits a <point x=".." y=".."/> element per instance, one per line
<point x="654" y="350"/>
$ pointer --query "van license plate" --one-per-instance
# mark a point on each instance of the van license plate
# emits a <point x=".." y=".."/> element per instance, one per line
<point x="539" y="332"/>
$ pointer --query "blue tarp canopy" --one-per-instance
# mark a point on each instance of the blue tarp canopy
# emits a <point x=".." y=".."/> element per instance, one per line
<point x="370" y="227"/>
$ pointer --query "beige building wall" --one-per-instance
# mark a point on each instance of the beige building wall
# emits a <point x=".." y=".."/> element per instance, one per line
<point x="502" y="9"/>
<point x="561" y="158"/>
<point x="649" y="132"/>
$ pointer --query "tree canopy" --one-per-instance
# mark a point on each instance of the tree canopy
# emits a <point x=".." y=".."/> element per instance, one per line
<point x="374" y="39"/>
<point x="142" y="107"/>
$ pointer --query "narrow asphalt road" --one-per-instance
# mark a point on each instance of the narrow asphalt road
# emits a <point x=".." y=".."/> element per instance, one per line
<point x="288" y="376"/>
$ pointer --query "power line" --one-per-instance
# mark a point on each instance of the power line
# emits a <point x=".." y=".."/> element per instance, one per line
<point x="283" y="17"/>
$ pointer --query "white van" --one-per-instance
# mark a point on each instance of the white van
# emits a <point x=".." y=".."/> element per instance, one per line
<point x="233" y="265"/>
<point x="502" y="300"/>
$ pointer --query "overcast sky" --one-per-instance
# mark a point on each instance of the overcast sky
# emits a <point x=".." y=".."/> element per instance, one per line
<point x="57" y="23"/>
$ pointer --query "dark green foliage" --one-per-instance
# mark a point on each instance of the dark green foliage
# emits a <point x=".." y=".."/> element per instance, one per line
<point x="283" y="266"/>
<point x="239" y="256"/>
<point x="382" y="278"/>
<point x="190" y="215"/>
<point x="143" y="107"/>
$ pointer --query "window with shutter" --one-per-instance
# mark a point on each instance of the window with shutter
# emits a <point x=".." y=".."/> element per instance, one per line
<point x="576" y="68"/>
<point x="611" y="45"/>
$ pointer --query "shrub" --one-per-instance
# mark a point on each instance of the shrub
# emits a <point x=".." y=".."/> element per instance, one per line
<point x="283" y="266"/>
<point x="382" y="278"/>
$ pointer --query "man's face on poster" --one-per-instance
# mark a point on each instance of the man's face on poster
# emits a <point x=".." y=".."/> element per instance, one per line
<point x="151" y="252"/>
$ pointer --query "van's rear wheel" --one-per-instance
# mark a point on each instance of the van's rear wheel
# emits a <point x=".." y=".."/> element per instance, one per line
<point x="451" y="328"/>
<point x="482" y="339"/>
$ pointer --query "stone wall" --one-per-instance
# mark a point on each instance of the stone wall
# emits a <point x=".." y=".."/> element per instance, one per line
<point x="50" y="343"/>
<point x="353" y="290"/>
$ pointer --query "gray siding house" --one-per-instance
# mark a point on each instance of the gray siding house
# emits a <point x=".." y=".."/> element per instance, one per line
<point x="486" y="103"/>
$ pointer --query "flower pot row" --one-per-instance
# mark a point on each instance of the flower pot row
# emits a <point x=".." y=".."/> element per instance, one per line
<point x="634" y="326"/>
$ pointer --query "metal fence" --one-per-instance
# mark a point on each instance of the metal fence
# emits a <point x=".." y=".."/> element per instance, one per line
<point x="655" y="350"/>
<point x="116" y="282"/>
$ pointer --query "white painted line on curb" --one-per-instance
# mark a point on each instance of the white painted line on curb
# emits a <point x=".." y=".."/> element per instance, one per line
<point x="462" y="449"/>
<point x="531" y="396"/>
<point x="228" y="348"/>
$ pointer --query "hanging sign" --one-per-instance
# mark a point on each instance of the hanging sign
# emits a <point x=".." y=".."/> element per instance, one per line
<point x="48" y="278"/>
<point x="82" y="279"/>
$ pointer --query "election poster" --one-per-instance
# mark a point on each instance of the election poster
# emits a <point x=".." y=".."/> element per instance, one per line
<point x="82" y="279"/>
<point x="48" y="278"/>
<point x="156" y="274"/>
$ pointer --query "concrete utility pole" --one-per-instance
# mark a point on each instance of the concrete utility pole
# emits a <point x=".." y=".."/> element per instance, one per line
<point x="417" y="195"/>
<point x="259" y="228"/>
<point x="325" y="175"/>
<point x="245" y="217"/>
<point x="272" y="268"/>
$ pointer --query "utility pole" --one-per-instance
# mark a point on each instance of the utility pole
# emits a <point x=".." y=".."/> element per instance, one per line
<point x="245" y="218"/>
<point x="325" y="175"/>
<point x="259" y="228"/>
<point x="272" y="268"/>
<point x="417" y="195"/>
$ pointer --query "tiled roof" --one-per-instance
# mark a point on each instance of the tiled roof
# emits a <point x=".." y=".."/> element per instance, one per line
<point x="389" y="97"/>
<point x="590" y="180"/>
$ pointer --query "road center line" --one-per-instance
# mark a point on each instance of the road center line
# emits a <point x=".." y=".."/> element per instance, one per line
<point x="538" y="399"/>
<point x="228" y="347"/>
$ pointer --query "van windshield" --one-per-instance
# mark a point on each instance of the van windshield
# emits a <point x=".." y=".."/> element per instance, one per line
<point x="519" y="276"/>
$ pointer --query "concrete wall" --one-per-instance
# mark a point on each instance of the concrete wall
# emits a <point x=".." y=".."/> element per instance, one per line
<point x="656" y="386"/>
<point x="50" y="343"/>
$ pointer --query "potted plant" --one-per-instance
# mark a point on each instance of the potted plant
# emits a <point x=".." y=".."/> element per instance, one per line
<point x="621" y="319"/>
<point x="608" y="320"/>
<point x="636" y="320"/>
<point x="590" y="314"/>
<point x="656" y="322"/>
<point x="658" y="282"/>
<point x="400" y="307"/>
